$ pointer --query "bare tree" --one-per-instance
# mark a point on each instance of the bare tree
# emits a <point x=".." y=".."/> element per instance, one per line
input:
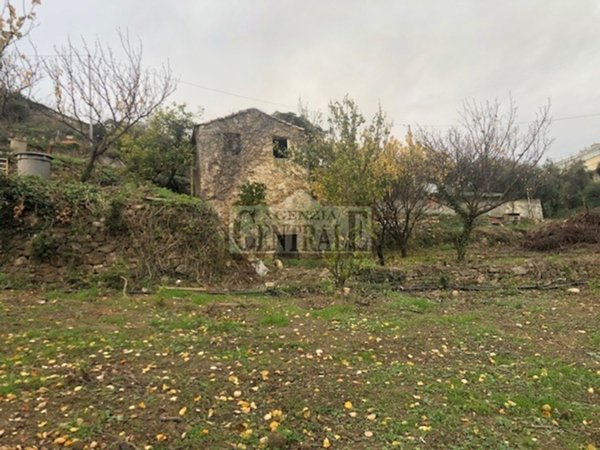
<point x="484" y="162"/>
<point x="93" y="87"/>
<point x="18" y="73"/>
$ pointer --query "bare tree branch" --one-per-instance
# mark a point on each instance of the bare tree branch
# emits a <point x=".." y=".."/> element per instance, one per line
<point x="93" y="86"/>
<point x="485" y="162"/>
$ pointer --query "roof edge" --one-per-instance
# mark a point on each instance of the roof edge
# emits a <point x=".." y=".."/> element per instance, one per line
<point x="246" y="111"/>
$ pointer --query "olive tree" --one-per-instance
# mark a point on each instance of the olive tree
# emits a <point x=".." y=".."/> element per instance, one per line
<point x="160" y="150"/>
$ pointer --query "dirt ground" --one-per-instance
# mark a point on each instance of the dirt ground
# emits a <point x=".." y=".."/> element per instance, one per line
<point x="501" y="356"/>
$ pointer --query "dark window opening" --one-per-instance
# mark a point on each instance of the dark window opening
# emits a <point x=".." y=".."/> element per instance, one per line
<point x="232" y="143"/>
<point x="280" y="147"/>
<point x="287" y="244"/>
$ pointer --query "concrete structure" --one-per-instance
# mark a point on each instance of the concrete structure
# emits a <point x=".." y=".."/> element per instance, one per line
<point x="529" y="209"/>
<point x="34" y="164"/>
<point x="589" y="156"/>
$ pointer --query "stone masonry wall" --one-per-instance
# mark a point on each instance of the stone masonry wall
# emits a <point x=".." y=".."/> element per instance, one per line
<point x="219" y="175"/>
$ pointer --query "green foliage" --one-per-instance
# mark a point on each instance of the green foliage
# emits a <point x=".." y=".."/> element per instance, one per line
<point x="252" y="194"/>
<point x="175" y="235"/>
<point x="572" y="183"/>
<point x="106" y="176"/>
<point x="569" y="189"/>
<point x="591" y="195"/>
<point x="47" y="201"/>
<point x="161" y="150"/>
<point x="16" y="109"/>
<point x="19" y="195"/>
<point x="44" y="246"/>
<point x="115" y="276"/>
<point x="343" y="265"/>
<point x="445" y="281"/>
<point x="115" y="223"/>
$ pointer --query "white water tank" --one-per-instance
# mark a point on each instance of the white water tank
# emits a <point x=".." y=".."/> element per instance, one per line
<point x="34" y="164"/>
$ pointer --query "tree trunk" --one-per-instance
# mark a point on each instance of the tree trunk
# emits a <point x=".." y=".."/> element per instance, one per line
<point x="89" y="167"/>
<point x="379" y="248"/>
<point x="464" y="238"/>
<point x="404" y="247"/>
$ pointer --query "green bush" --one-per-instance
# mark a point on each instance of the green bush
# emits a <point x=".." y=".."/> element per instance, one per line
<point x="591" y="195"/>
<point x="252" y="193"/>
<point x="343" y="266"/>
<point x="44" y="246"/>
<point x="115" y="222"/>
<point x="115" y="276"/>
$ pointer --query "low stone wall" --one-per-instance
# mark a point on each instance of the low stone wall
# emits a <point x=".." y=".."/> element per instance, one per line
<point x="86" y="255"/>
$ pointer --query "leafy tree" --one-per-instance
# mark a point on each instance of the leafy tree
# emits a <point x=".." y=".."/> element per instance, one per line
<point x="484" y="162"/>
<point x="572" y="184"/>
<point x="591" y="195"/>
<point x="161" y="150"/>
<point x="405" y="174"/>
<point x="548" y="189"/>
<point x="343" y="161"/>
<point x="92" y="85"/>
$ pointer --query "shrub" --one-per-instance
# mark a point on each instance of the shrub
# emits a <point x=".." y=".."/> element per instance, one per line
<point x="115" y="276"/>
<point x="44" y="246"/>
<point x="115" y="222"/>
<point x="591" y="194"/>
<point x="343" y="266"/>
<point x="252" y="193"/>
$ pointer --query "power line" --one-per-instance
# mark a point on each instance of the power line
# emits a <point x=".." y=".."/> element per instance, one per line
<point x="271" y="102"/>
<point x="220" y="91"/>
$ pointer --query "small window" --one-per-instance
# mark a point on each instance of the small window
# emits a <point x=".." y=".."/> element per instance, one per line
<point x="232" y="143"/>
<point x="280" y="147"/>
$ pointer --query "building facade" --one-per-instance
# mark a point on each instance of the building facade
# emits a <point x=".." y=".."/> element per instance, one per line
<point x="590" y="157"/>
<point x="248" y="146"/>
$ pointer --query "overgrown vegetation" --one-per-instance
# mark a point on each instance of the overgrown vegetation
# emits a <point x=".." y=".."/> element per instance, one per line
<point x="563" y="191"/>
<point x="166" y="234"/>
<point x="160" y="151"/>
<point x="252" y="194"/>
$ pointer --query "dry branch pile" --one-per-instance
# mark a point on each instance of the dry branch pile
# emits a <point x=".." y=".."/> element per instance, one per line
<point x="583" y="228"/>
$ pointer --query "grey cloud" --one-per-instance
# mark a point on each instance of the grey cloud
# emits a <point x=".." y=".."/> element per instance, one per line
<point x="419" y="58"/>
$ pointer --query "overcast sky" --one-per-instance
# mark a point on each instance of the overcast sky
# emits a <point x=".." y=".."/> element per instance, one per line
<point x="419" y="58"/>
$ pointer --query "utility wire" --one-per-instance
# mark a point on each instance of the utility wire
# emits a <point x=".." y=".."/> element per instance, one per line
<point x="270" y="102"/>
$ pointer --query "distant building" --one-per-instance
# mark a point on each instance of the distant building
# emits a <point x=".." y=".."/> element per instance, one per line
<point x="513" y="211"/>
<point x="590" y="157"/>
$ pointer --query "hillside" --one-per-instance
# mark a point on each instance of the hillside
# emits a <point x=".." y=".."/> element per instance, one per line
<point x="37" y="124"/>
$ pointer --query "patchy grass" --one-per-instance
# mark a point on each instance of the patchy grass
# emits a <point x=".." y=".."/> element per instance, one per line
<point x="183" y="369"/>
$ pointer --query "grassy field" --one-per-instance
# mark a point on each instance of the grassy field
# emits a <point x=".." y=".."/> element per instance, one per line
<point x="177" y="369"/>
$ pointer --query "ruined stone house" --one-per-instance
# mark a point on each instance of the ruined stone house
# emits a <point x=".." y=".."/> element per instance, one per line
<point x="249" y="146"/>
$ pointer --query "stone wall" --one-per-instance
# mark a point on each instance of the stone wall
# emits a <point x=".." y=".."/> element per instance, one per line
<point x="84" y="255"/>
<point x="220" y="174"/>
<point x="156" y="243"/>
